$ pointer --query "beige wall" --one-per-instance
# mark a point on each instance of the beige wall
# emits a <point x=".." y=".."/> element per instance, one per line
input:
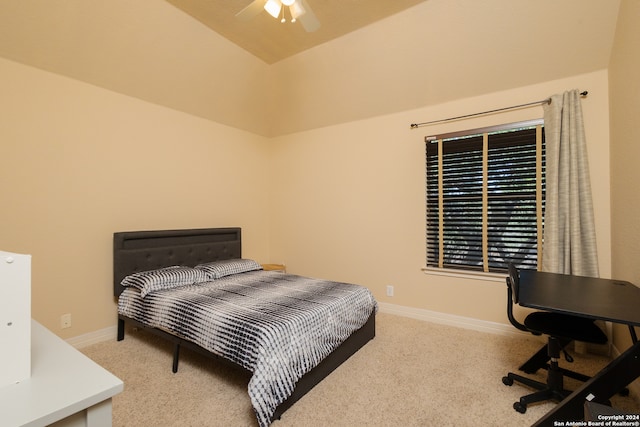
<point x="146" y="49"/>
<point x="79" y="163"/>
<point x="424" y="55"/>
<point x="342" y="201"/>
<point x="624" y="80"/>
<point x="349" y="203"/>
<point x="439" y="51"/>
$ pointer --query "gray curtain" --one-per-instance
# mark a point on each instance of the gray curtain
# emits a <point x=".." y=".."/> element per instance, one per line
<point x="569" y="231"/>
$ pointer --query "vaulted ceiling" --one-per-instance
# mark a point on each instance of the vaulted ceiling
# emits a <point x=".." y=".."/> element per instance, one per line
<point x="368" y="58"/>
<point x="272" y="41"/>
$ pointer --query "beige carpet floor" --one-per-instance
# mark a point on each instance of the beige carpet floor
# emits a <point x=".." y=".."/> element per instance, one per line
<point x="413" y="373"/>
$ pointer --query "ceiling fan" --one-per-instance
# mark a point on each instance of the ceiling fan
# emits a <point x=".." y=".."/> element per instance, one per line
<point x="299" y="10"/>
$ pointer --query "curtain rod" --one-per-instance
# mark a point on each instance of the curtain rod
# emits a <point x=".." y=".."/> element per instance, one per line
<point x="513" y="107"/>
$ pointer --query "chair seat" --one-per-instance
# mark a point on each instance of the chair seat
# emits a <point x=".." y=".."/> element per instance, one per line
<point x="565" y="326"/>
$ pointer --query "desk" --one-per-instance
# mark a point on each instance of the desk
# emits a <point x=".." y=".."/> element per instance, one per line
<point x="602" y="299"/>
<point x="65" y="387"/>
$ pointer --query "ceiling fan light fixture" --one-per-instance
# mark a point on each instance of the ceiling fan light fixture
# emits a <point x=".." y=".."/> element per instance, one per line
<point x="299" y="10"/>
<point x="273" y="8"/>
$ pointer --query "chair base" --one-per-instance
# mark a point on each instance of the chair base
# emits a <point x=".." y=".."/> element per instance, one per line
<point x="554" y="387"/>
<point x="545" y="392"/>
<point x="540" y="360"/>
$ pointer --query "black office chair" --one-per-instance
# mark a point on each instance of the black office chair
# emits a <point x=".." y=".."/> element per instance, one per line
<point x="561" y="330"/>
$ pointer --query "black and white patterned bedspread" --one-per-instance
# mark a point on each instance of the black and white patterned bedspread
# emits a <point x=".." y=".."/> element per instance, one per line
<point x="278" y="326"/>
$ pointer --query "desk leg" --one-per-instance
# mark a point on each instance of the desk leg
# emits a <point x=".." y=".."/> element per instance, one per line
<point x="100" y="414"/>
<point x="609" y="381"/>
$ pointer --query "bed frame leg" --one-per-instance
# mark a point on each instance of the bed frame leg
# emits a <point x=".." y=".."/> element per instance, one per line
<point x="176" y="357"/>
<point x="120" y="329"/>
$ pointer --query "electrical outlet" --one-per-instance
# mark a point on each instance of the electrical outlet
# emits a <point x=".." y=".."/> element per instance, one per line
<point x="389" y="290"/>
<point x="65" y="321"/>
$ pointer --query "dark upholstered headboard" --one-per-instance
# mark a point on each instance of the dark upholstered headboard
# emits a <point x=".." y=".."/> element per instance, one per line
<point x="135" y="251"/>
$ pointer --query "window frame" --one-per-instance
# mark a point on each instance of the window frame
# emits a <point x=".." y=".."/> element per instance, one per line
<point x="487" y="267"/>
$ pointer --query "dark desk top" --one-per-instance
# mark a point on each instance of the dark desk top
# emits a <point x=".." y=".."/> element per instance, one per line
<point x="613" y="300"/>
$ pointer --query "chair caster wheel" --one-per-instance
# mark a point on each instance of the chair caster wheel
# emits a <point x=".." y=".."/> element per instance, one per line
<point x="520" y="407"/>
<point x="507" y="381"/>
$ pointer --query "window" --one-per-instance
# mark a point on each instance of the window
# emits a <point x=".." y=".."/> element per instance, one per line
<point x="485" y="197"/>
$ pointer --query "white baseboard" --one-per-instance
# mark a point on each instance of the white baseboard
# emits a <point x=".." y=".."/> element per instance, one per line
<point x="415" y="313"/>
<point x="449" y="319"/>
<point x="93" y="337"/>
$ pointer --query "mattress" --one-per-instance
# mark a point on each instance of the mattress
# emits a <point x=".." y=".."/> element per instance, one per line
<point x="278" y="326"/>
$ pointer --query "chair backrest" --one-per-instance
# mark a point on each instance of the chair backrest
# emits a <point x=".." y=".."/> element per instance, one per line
<point x="513" y="289"/>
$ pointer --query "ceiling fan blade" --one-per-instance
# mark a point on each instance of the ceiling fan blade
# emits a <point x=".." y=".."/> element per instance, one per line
<point x="308" y="18"/>
<point x="252" y="10"/>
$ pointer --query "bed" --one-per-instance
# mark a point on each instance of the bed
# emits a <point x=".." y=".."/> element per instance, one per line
<point x="337" y="319"/>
